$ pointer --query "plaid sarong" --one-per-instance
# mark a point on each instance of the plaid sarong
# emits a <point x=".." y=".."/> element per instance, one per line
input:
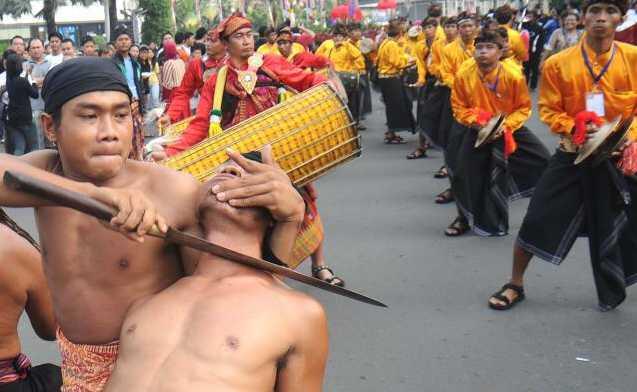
<point x="137" y="153"/>
<point x="311" y="233"/>
<point x="14" y="369"/>
<point x="86" y="367"/>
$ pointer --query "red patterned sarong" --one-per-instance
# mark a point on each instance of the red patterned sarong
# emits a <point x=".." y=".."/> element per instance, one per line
<point x="14" y="369"/>
<point x="311" y="233"/>
<point x="137" y="153"/>
<point x="86" y="367"/>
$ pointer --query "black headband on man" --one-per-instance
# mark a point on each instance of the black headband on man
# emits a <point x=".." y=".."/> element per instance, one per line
<point x="621" y="4"/>
<point x="78" y="76"/>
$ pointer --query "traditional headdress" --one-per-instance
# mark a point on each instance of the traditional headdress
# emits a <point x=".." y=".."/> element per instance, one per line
<point x="621" y="4"/>
<point x="231" y="24"/>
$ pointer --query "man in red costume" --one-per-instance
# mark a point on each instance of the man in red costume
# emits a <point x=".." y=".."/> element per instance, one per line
<point x="241" y="100"/>
<point x="197" y="73"/>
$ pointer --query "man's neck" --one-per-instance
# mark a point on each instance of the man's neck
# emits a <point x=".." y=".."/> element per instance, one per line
<point x="485" y="69"/>
<point x="599" y="45"/>
<point x="239" y="62"/>
<point x="468" y="41"/>
<point x="124" y="54"/>
<point x="38" y="60"/>
<point x="216" y="56"/>
<point x="215" y="267"/>
<point x="55" y="54"/>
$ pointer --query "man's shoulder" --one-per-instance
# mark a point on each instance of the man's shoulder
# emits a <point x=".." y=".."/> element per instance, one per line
<point x="168" y="179"/>
<point x="628" y="50"/>
<point x="563" y="57"/>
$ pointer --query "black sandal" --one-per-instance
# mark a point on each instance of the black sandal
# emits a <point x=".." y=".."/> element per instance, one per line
<point x="418" y="153"/>
<point x="395" y="140"/>
<point x="458" y="227"/>
<point x="441" y="173"/>
<point x="445" y="197"/>
<point x="334" y="280"/>
<point x="508" y="304"/>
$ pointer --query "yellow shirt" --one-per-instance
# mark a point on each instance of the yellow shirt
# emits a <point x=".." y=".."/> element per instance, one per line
<point x="391" y="57"/>
<point x="436" y="57"/>
<point x="512" y="63"/>
<point x="410" y="46"/>
<point x="511" y="96"/>
<point x="453" y="55"/>
<point x="566" y="81"/>
<point x="324" y="47"/>
<point x="346" y="58"/>
<point x="423" y="60"/>
<point x="440" y="33"/>
<point x="517" y="46"/>
<point x="268" y="48"/>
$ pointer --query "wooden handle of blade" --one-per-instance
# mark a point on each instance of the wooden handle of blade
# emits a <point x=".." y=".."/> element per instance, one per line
<point x="58" y="195"/>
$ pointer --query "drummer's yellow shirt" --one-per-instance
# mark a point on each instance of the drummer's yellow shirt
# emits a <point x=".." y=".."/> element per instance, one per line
<point x="410" y="45"/>
<point x="324" y="47"/>
<point x="392" y="59"/>
<point x="511" y="96"/>
<point x="517" y="46"/>
<point x="566" y="81"/>
<point x="453" y="55"/>
<point x="346" y="58"/>
<point x="436" y="57"/>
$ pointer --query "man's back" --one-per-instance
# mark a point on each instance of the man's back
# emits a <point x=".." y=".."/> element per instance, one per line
<point x="245" y="332"/>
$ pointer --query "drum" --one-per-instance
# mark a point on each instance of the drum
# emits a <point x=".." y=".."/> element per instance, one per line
<point x="310" y="133"/>
<point x="487" y="133"/>
<point x="177" y="128"/>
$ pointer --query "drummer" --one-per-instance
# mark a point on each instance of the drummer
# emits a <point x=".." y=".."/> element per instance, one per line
<point x="366" y="46"/>
<point x="349" y="63"/>
<point x="198" y="72"/>
<point x="489" y="176"/>
<point x="583" y="86"/>
<point x="241" y="102"/>
<point x="304" y="60"/>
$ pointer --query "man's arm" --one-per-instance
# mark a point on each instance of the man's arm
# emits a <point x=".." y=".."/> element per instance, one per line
<point x="550" y="105"/>
<point x="304" y="367"/>
<point x="462" y="102"/>
<point x="290" y="75"/>
<point x="521" y="105"/>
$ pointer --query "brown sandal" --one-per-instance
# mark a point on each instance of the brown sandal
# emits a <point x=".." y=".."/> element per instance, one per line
<point x="334" y="280"/>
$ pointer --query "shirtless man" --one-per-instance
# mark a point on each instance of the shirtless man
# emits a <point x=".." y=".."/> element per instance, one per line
<point x="23" y="288"/>
<point x="226" y="328"/>
<point x="94" y="273"/>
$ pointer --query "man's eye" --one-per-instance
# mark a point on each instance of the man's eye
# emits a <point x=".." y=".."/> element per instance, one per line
<point x="122" y="115"/>
<point x="89" y="116"/>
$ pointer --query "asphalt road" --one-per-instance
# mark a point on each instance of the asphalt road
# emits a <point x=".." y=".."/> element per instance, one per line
<point x="384" y="237"/>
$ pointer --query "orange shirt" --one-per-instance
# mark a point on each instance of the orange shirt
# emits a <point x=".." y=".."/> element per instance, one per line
<point x="517" y="47"/>
<point x="436" y="57"/>
<point x="423" y="60"/>
<point x="453" y="55"/>
<point x="566" y="81"/>
<point x="472" y="90"/>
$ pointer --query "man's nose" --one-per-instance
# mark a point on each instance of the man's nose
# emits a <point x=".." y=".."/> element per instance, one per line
<point x="107" y="129"/>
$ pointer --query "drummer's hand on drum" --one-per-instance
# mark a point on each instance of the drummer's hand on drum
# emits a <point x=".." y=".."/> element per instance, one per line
<point x="163" y="121"/>
<point x="263" y="185"/>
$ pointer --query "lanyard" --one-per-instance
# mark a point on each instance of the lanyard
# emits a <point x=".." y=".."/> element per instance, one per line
<point x="465" y="50"/>
<point x="598" y="77"/>
<point x="493" y="87"/>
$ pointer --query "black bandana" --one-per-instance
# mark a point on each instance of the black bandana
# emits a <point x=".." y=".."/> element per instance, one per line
<point x="79" y="76"/>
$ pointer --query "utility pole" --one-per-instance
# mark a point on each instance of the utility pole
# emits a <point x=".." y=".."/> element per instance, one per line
<point x="107" y="20"/>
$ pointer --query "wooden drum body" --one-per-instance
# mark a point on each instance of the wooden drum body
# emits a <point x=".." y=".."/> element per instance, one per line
<point x="310" y="133"/>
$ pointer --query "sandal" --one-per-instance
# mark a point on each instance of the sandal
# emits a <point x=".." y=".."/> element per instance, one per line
<point x="418" y="153"/>
<point x="445" y="197"/>
<point x="334" y="280"/>
<point x="441" y="173"/>
<point x="508" y="304"/>
<point x="395" y="140"/>
<point x="458" y="227"/>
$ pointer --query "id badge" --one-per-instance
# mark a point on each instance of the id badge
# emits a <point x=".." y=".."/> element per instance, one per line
<point x="595" y="103"/>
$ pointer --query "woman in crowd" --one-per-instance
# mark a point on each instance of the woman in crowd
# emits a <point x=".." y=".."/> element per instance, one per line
<point x="564" y="37"/>
<point x="172" y="71"/>
<point x="21" y="132"/>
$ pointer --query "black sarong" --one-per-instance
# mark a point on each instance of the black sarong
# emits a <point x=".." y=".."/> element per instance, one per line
<point x="484" y="183"/>
<point x="25" y="378"/>
<point x="435" y="116"/>
<point x="454" y="139"/>
<point x="598" y="202"/>
<point x="423" y="97"/>
<point x="366" y="96"/>
<point x="398" y="107"/>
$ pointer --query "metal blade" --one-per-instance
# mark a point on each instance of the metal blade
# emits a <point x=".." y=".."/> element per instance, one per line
<point x="185" y="239"/>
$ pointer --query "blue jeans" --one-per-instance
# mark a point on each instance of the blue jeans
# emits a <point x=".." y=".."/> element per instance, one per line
<point x="22" y="139"/>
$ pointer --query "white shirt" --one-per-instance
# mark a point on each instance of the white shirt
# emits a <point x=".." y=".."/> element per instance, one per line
<point x="54" y="60"/>
<point x="3" y="85"/>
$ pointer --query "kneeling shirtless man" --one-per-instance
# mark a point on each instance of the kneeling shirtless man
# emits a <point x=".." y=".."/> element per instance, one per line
<point x="227" y="327"/>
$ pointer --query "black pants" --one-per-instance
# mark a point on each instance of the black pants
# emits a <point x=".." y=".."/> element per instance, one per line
<point x="41" y="378"/>
<point x="532" y="71"/>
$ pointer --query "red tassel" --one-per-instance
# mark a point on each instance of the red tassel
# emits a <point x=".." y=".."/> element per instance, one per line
<point x="510" y="146"/>
<point x="582" y="119"/>
<point x="628" y="162"/>
<point x="482" y="116"/>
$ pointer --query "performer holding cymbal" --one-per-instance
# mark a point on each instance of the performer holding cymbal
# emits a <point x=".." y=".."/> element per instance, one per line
<point x="583" y="87"/>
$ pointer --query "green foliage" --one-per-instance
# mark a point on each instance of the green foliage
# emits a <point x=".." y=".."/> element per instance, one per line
<point x="15" y="8"/>
<point x="4" y="45"/>
<point x="156" y="19"/>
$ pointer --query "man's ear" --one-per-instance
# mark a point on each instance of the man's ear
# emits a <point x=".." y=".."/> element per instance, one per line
<point x="48" y="127"/>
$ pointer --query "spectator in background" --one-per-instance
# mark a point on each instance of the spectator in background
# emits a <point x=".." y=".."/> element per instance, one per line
<point x="152" y="46"/>
<point x="270" y="45"/>
<point x="189" y="40"/>
<point x="197" y="51"/>
<point x="133" y="52"/>
<point x="17" y="45"/>
<point x="105" y="52"/>
<point x="565" y="36"/>
<point x="172" y="72"/>
<point x="183" y="51"/>
<point x="167" y="37"/>
<point x="68" y="49"/>
<point x="47" y="49"/>
<point x="55" y="43"/>
<point x="20" y="129"/>
<point x="88" y="46"/>
<point x="536" y="46"/>
<point x="200" y="35"/>
<point x="150" y="76"/>
<point x="4" y="96"/>
<point x="37" y="68"/>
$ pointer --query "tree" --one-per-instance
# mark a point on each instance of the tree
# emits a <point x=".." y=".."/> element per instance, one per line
<point x="17" y="8"/>
<point x="156" y="19"/>
<point x="14" y="8"/>
<point x="112" y="13"/>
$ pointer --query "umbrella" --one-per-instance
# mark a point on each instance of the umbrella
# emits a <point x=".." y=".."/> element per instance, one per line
<point x="387" y="5"/>
<point x="342" y="12"/>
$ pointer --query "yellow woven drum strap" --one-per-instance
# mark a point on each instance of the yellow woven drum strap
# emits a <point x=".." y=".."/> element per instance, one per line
<point x="220" y="85"/>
